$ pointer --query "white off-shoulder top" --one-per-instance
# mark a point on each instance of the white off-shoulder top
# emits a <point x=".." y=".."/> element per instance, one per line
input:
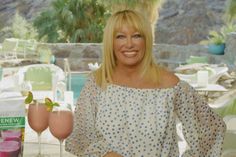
<point x="142" y="122"/>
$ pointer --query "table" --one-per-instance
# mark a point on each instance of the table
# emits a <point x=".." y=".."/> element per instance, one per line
<point x="210" y="88"/>
<point x="49" y="150"/>
<point x="223" y="100"/>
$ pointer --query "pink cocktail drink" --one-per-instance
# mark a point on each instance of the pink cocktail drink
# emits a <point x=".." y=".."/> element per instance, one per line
<point x="61" y="124"/>
<point x="38" y="120"/>
<point x="38" y="117"/>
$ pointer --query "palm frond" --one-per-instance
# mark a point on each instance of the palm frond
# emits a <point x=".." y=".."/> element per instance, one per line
<point x="231" y="10"/>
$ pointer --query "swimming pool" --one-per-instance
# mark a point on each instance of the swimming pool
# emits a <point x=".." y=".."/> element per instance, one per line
<point x="78" y="80"/>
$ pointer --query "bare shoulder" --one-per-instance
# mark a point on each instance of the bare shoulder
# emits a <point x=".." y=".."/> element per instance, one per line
<point x="168" y="78"/>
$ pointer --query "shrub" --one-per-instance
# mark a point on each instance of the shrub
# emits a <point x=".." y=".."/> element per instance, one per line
<point x="20" y="28"/>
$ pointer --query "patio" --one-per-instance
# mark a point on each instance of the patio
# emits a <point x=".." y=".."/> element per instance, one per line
<point x="222" y="94"/>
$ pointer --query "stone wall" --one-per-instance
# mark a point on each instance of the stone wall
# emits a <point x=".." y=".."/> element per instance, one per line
<point x="230" y="51"/>
<point x="79" y="55"/>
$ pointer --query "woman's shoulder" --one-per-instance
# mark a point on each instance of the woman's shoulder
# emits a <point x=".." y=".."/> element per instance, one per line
<point x="167" y="78"/>
<point x="90" y="82"/>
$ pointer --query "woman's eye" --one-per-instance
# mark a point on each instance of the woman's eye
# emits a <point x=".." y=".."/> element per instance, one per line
<point x="137" y="36"/>
<point x="120" y="36"/>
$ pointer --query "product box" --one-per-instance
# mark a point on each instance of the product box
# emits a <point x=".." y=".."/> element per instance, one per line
<point x="12" y="127"/>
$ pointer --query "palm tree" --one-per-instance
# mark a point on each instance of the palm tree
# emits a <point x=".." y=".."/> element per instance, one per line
<point x="149" y="8"/>
<point x="47" y="27"/>
<point x="231" y="10"/>
<point x="72" y="21"/>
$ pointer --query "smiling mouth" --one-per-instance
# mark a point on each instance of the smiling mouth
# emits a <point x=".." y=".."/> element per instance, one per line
<point x="130" y="53"/>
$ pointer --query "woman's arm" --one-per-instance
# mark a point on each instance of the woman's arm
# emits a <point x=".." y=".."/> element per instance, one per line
<point x="203" y="129"/>
<point x="85" y="140"/>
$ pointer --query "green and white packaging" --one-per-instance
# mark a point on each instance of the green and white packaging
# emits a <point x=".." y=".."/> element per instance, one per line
<point x="12" y="127"/>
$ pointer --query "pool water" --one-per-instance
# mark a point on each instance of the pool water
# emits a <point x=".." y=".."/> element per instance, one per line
<point x="77" y="82"/>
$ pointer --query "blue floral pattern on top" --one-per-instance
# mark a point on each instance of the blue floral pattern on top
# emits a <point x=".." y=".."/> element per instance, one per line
<point x="142" y="122"/>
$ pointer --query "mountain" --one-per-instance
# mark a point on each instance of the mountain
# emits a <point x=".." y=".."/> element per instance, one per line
<point x="181" y="21"/>
<point x="188" y="21"/>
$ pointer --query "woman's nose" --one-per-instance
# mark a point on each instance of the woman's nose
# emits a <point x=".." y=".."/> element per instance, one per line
<point x="129" y="42"/>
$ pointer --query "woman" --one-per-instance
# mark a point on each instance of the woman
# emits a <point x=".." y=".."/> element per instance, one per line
<point x="129" y="106"/>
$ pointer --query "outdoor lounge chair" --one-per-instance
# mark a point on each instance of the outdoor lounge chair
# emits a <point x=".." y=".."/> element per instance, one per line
<point x="41" y="76"/>
<point x="26" y="48"/>
<point x="13" y="48"/>
<point x="9" y="49"/>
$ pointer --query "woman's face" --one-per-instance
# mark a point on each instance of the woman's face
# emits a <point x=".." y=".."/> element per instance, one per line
<point x="129" y="47"/>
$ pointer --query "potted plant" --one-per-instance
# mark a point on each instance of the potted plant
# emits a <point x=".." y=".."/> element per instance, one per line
<point x="217" y="39"/>
<point x="216" y="43"/>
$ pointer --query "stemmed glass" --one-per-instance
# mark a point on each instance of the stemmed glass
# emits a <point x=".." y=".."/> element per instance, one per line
<point x="61" y="123"/>
<point x="25" y="87"/>
<point x="38" y="120"/>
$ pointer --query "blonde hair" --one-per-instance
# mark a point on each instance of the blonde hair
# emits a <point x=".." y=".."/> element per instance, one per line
<point x="135" y="20"/>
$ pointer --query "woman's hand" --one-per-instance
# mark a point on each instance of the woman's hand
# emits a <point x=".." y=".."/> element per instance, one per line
<point x="112" y="154"/>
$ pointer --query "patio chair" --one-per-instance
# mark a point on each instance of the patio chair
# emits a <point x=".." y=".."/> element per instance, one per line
<point x="26" y="48"/>
<point x="41" y="76"/>
<point x="197" y="59"/>
<point x="21" y="48"/>
<point x="9" y="48"/>
<point x="44" y="53"/>
<point x="30" y="48"/>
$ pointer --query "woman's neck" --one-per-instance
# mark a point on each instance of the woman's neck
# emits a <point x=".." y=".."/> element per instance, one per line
<point x="129" y="73"/>
<point x="131" y="78"/>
